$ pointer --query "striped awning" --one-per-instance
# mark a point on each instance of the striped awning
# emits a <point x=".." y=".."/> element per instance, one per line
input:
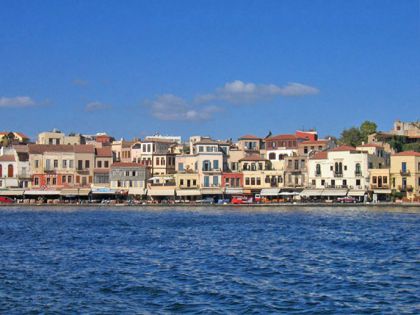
<point x="42" y="193"/>
<point x="356" y="193"/>
<point x="334" y="192"/>
<point x="161" y="192"/>
<point x="137" y="191"/>
<point x="188" y="192"/>
<point x="11" y="192"/>
<point x="270" y="192"/>
<point x="211" y="191"/>
<point x="311" y="193"/>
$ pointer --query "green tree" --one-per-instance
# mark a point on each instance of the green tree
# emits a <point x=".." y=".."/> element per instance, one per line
<point x="367" y="128"/>
<point x="351" y="136"/>
<point x="411" y="147"/>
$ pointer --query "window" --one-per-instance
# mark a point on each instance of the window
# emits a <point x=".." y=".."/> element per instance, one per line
<point x="70" y="163"/>
<point x="252" y="180"/>
<point x="36" y="181"/>
<point x="272" y="156"/>
<point x="181" y="167"/>
<point x="357" y="182"/>
<point x="69" y="179"/>
<point x="63" y="179"/>
<point x="333" y="182"/>
<point x="322" y="182"/>
<point x="393" y="183"/>
<point x="87" y="164"/>
<point x="258" y="181"/>
<point x="404" y="167"/>
<point x="313" y="182"/>
<point x="99" y="164"/>
<point x="181" y="182"/>
<point x="374" y="179"/>
<point x="55" y="163"/>
<point x="246" y="180"/>
<point x="318" y="169"/>
<point x="188" y="183"/>
<point x="216" y="180"/>
<point x="385" y="179"/>
<point x="216" y="164"/>
<point x="48" y="181"/>
<point x="267" y="179"/>
<point x="162" y="161"/>
<point x="194" y="182"/>
<point x="54" y="181"/>
<point x="305" y="150"/>
<point x="106" y="164"/>
<point x="200" y="148"/>
<point x="47" y="164"/>
<point x="64" y="163"/>
<point x="206" y="181"/>
<point x="10" y="170"/>
<point x="344" y="182"/>
<point x="358" y="169"/>
<point x="36" y="163"/>
<point x="206" y="165"/>
<point x="296" y="164"/>
<point x="79" y="164"/>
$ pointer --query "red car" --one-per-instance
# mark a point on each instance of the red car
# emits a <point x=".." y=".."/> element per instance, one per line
<point x="5" y="200"/>
<point x="239" y="200"/>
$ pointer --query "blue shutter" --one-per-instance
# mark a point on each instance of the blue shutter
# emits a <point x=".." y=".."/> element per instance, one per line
<point x="216" y="164"/>
<point x="216" y="180"/>
<point x="206" y="181"/>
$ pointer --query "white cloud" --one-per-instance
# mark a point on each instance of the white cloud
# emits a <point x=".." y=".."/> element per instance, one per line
<point x="17" y="101"/>
<point x="172" y="107"/>
<point x="95" y="106"/>
<point x="241" y="92"/>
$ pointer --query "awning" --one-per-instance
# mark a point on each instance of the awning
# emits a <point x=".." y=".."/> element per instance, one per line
<point x="334" y="192"/>
<point x="84" y="191"/>
<point x="233" y="191"/>
<point x="103" y="191"/>
<point x="356" y="193"/>
<point x="137" y="191"/>
<point x="289" y="193"/>
<point x="311" y="193"/>
<point x="188" y="192"/>
<point x="211" y="191"/>
<point x="382" y="191"/>
<point x="161" y="192"/>
<point x="42" y="192"/>
<point x="270" y="192"/>
<point x="69" y="192"/>
<point x="11" y="192"/>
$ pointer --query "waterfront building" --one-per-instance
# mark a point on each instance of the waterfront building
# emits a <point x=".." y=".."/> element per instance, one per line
<point x="405" y="174"/>
<point x="341" y="171"/>
<point x="161" y="187"/>
<point x="129" y="178"/>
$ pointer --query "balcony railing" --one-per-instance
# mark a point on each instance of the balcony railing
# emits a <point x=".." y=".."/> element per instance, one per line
<point x="358" y="174"/>
<point x="383" y="186"/>
<point x="405" y="173"/>
<point x="338" y="174"/>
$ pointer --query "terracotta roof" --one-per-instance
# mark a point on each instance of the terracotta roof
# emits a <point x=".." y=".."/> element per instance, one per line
<point x="84" y="148"/>
<point x="104" y="152"/>
<point x="249" y="137"/>
<point x="22" y="135"/>
<point x="127" y="164"/>
<point x="21" y="148"/>
<point x="323" y="155"/>
<point x="314" y="142"/>
<point x="253" y="157"/>
<point x="283" y="137"/>
<point x="343" y="148"/>
<point x="407" y="153"/>
<point x="19" y="134"/>
<point x="42" y="148"/>
<point x="7" y="158"/>
<point x="127" y="144"/>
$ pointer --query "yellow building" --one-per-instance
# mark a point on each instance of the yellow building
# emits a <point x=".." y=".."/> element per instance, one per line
<point x="405" y="174"/>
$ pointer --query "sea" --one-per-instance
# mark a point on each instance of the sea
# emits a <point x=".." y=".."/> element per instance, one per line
<point x="209" y="260"/>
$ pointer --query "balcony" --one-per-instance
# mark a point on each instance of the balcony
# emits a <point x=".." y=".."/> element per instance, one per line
<point x="405" y="173"/>
<point x="211" y="170"/>
<point x="83" y="171"/>
<point x="377" y="186"/>
<point x="358" y="174"/>
<point x="338" y="174"/>
<point x="50" y="170"/>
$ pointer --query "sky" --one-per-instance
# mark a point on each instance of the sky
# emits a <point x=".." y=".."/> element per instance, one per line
<point x="217" y="67"/>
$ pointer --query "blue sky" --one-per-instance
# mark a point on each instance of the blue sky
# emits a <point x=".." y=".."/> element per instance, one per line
<point x="220" y="68"/>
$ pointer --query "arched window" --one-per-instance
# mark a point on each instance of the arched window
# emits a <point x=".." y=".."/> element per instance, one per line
<point x="10" y="170"/>
<point x="272" y="156"/>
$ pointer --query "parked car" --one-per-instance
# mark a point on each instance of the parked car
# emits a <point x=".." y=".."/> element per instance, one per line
<point x="5" y="200"/>
<point x="347" y="200"/>
<point x="239" y="200"/>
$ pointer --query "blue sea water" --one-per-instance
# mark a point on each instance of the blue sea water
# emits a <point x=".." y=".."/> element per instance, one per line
<point x="209" y="261"/>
